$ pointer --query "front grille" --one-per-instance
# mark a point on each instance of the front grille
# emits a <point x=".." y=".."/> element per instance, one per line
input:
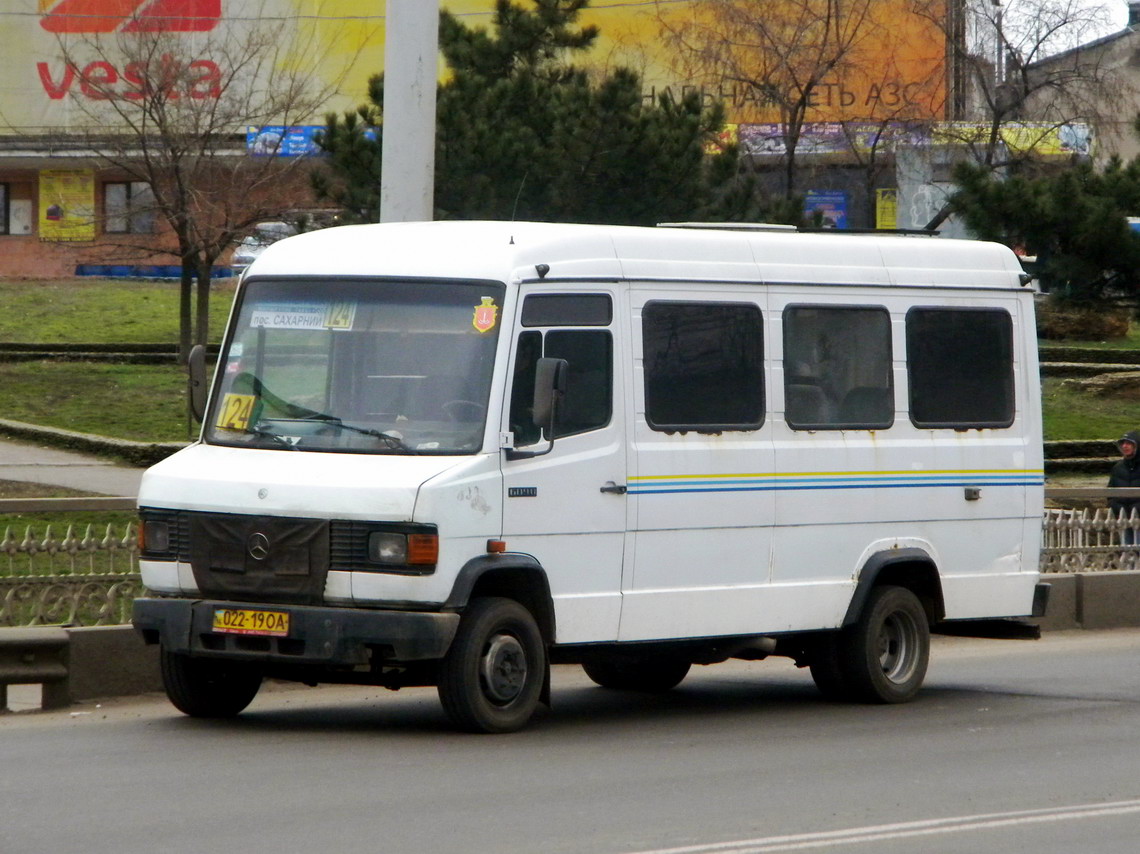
<point x="348" y="546"/>
<point x="348" y="540"/>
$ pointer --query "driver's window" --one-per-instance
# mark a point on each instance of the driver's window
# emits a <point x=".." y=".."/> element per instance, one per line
<point x="588" y="402"/>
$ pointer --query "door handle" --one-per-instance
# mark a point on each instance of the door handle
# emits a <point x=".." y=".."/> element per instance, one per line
<point x="613" y="488"/>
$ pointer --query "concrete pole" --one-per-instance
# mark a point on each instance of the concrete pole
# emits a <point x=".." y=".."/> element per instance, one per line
<point x="411" y="46"/>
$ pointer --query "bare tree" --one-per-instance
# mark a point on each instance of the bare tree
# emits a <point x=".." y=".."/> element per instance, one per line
<point x="895" y="119"/>
<point x="1022" y="75"/>
<point x="176" y="122"/>
<point x="789" y="56"/>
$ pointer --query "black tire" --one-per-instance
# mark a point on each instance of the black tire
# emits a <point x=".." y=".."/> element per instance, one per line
<point x="208" y="688"/>
<point x="827" y="668"/>
<point x="884" y="656"/>
<point x="649" y="674"/>
<point x="492" y="676"/>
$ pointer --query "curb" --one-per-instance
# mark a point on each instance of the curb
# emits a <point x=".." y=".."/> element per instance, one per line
<point x="139" y="454"/>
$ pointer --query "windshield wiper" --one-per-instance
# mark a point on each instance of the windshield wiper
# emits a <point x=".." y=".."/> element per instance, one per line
<point x="269" y="434"/>
<point x="391" y="440"/>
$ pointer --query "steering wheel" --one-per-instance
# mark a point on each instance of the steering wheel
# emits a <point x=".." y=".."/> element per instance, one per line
<point x="454" y="409"/>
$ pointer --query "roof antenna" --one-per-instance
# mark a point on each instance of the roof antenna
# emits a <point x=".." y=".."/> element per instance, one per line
<point x="518" y="195"/>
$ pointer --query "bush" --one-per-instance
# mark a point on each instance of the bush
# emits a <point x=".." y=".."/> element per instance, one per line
<point x="1058" y="323"/>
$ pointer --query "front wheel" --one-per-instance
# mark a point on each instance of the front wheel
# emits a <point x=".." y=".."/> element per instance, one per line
<point x="492" y="677"/>
<point x="884" y="656"/>
<point x="208" y="688"/>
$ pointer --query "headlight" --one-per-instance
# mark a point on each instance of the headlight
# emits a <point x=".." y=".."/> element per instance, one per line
<point x="400" y="549"/>
<point x="154" y="537"/>
<point x="391" y="549"/>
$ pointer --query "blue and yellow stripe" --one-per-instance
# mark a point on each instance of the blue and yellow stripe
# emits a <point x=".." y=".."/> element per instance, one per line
<point x="786" y="481"/>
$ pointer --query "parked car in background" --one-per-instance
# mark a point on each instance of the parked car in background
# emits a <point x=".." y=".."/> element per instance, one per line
<point x="252" y="245"/>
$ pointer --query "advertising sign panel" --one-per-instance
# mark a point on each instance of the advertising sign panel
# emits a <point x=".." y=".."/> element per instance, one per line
<point x="67" y="204"/>
<point x="829" y="205"/>
<point x="342" y="42"/>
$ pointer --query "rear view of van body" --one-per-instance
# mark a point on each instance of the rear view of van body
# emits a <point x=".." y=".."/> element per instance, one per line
<point x="453" y="453"/>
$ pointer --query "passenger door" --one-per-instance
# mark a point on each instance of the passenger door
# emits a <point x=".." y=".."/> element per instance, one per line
<point x="701" y="481"/>
<point x="567" y="507"/>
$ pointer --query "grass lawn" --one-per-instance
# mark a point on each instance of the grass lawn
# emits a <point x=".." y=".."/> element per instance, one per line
<point x="1071" y="415"/>
<point x="97" y="311"/>
<point x="146" y="403"/>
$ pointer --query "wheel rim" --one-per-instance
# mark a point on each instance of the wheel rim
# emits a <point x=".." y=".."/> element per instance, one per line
<point x="503" y="669"/>
<point x="898" y="647"/>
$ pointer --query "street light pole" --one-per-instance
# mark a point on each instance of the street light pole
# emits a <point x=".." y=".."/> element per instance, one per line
<point x="411" y="46"/>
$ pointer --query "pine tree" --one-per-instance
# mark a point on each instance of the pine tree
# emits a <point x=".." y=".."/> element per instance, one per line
<point x="523" y="133"/>
<point x="1074" y="221"/>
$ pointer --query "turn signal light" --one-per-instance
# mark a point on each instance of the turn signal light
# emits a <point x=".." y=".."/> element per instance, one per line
<point x="423" y="549"/>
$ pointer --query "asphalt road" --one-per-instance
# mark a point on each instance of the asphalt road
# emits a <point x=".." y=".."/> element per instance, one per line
<point x="1012" y="747"/>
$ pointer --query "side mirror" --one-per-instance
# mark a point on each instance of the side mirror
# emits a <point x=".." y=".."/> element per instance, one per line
<point x="549" y="388"/>
<point x="196" y="382"/>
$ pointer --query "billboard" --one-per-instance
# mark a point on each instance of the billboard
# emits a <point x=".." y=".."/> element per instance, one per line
<point x="340" y="42"/>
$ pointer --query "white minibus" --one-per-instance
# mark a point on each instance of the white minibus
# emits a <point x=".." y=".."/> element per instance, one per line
<point x="454" y="453"/>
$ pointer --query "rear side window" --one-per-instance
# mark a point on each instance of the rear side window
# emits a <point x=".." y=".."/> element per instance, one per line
<point x="960" y="365"/>
<point x="704" y="366"/>
<point x="837" y="368"/>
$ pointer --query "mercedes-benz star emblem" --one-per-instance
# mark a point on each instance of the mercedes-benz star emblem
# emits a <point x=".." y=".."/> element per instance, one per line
<point x="258" y="546"/>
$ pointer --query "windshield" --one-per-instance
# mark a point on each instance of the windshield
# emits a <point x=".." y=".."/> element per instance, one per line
<point x="359" y="366"/>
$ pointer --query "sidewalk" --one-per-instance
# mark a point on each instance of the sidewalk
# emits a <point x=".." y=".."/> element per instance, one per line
<point x="31" y="463"/>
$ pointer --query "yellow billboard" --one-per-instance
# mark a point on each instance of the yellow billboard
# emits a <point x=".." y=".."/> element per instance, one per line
<point x="59" y="62"/>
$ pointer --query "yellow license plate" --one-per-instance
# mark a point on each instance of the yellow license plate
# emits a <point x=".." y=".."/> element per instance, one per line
<point x="243" y="622"/>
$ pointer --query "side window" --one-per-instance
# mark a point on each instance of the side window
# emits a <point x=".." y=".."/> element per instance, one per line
<point x="960" y="366"/>
<point x="837" y="368"/>
<point x="703" y="366"/>
<point x="588" y="403"/>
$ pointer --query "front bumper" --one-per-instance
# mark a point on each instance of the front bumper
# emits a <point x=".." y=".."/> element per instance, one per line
<point x="317" y="635"/>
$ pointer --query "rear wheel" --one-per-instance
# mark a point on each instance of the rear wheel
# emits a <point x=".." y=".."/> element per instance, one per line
<point x="648" y="673"/>
<point x="492" y="677"/>
<point x="208" y="688"/>
<point x="884" y="656"/>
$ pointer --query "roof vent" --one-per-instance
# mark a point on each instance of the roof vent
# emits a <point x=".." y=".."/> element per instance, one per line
<point x="732" y="226"/>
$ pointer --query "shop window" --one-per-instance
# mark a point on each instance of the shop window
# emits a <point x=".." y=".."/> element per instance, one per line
<point x="128" y="208"/>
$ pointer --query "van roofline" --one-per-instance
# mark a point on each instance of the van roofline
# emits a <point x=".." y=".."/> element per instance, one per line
<point x="513" y="252"/>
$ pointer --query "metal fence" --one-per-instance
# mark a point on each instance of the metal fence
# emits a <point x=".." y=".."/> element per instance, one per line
<point x="53" y="574"/>
<point x="69" y="574"/>
<point x="1089" y="540"/>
